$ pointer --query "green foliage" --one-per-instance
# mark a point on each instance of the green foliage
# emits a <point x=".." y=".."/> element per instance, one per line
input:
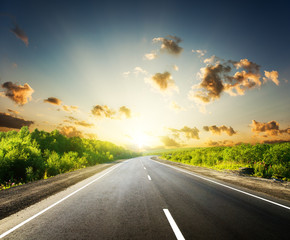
<point x="26" y="156"/>
<point x="267" y="160"/>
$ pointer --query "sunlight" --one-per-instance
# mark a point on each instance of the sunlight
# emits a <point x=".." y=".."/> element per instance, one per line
<point x="140" y="139"/>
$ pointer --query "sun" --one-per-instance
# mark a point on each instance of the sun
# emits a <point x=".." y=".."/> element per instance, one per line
<point x="140" y="139"/>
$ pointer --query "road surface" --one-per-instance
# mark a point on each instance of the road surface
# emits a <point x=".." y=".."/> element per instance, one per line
<point x="143" y="199"/>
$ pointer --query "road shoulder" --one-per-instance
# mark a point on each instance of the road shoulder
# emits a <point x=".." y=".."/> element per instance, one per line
<point x="272" y="188"/>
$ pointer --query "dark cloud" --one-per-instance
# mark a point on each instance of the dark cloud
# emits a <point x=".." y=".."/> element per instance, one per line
<point x="6" y="120"/>
<point x="189" y="133"/>
<point x="218" y="130"/>
<point x="19" y="33"/>
<point x="70" y="131"/>
<point x="169" y="142"/>
<point x="217" y="78"/>
<point x="53" y="101"/>
<point x="163" y="82"/>
<point x="19" y="94"/>
<point x="126" y="111"/>
<point x="170" y="44"/>
<point x="103" y="111"/>
<point x="270" y="128"/>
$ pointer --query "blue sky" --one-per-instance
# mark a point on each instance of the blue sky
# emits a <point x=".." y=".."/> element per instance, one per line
<point x="88" y="54"/>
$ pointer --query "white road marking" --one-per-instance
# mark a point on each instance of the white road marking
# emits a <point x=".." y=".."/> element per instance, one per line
<point x="173" y="225"/>
<point x="145" y="168"/>
<point x="209" y="180"/>
<point x="53" y="205"/>
<point x="149" y="177"/>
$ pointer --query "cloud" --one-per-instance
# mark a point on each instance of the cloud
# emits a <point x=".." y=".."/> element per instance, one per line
<point x="138" y="70"/>
<point x="13" y="111"/>
<point x="218" y="78"/>
<point x="151" y="56"/>
<point x="170" y="44"/>
<point x="211" y="143"/>
<point x="218" y="130"/>
<point x="200" y="53"/>
<point x="213" y="59"/>
<point x="70" y="108"/>
<point x="19" y="94"/>
<point x="125" y="111"/>
<point x="6" y="120"/>
<point x="70" y="131"/>
<point x="173" y="105"/>
<point x="53" y="101"/>
<point x="270" y="128"/>
<point x="190" y="133"/>
<point x="273" y="76"/>
<point x="19" y="33"/>
<point x="169" y="142"/>
<point x="176" y="68"/>
<point x="84" y="124"/>
<point x="163" y="82"/>
<point x="212" y="84"/>
<point x="103" y="111"/>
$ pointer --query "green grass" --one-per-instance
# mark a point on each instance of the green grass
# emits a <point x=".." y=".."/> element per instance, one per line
<point x="267" y="160"/>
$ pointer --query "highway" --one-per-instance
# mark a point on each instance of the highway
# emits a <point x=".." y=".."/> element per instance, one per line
<point x="143" y="199"/>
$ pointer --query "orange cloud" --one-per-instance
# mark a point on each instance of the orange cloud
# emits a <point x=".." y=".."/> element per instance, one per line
<point x="270" y="128"/>
<point x="211" y="143"/>
<point x="53" y="101"/>
<point x="70" y="108"/>
<point x="218" y="130"/>
<point x="70" y="131"/>
<point x="19" y="33"/>
<point x="19" y="94"/>
<point x="273" y="76"/>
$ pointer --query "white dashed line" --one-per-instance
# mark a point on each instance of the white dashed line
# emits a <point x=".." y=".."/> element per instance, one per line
<point x="145" y="168"/>
<point x="173" y="225"/>
<point x="149" y="177"/>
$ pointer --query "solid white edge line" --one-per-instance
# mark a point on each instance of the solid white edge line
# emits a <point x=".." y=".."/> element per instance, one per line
<point x="209" y="180"/>
<point x="149" y="177"/>
<point x="173" y="225"/>
<point x="53" y="205"/>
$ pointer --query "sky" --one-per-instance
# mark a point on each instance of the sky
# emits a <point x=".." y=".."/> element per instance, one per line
<point x="147" y="74"/>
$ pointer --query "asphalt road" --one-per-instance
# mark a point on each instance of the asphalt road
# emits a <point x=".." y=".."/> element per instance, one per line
<point x="128" y="202"/>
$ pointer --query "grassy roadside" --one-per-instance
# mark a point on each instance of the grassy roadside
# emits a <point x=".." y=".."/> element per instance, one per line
<point x="260" y="160"/>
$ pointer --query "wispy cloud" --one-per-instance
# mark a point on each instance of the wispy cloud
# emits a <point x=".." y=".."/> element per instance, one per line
<point x="103" y="111"/>
<point x="8" y="121"/>
<point x="19" y="33"/>
<point x="19" y="94"/>
<point x="200" y="52"/>
<point x="151" y="56"/>
<point x="211" y="143"/>
<point x="176" y="107"/>
<point x="218" y="130"/>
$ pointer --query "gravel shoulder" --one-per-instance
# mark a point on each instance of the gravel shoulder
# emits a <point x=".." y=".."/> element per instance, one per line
<point x="17" y="198"/>
<point x="269" y="187"/>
